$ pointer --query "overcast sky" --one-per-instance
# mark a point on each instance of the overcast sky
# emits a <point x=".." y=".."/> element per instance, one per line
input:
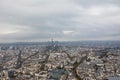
<point x="62" y="20"/>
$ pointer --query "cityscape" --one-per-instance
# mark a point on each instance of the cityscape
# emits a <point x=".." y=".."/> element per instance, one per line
<point x="59" y="39"/>
<point x="53" y="60"/>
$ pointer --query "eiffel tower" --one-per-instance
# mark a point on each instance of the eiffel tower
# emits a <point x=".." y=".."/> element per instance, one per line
<point x="54" y="46"/>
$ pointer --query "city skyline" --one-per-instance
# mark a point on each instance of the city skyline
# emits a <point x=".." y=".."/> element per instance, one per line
<point x="63" y="20"/>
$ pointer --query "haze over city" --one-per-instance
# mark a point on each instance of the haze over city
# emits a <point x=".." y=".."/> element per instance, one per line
<point x="63" y="20"/>
<point x="59" y="39"/>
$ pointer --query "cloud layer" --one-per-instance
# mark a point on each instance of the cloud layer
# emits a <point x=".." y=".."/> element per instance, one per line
<point x="41" y="20"/>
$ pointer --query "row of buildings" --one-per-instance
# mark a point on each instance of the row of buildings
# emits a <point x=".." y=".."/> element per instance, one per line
<point x="67" y="63"/>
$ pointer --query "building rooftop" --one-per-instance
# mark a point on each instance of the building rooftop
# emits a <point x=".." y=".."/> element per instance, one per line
<point x="113" y="78"/>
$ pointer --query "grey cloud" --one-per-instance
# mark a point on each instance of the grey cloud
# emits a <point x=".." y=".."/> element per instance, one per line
<point x="87" y="3"/>
<point x="42" y="20"/>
